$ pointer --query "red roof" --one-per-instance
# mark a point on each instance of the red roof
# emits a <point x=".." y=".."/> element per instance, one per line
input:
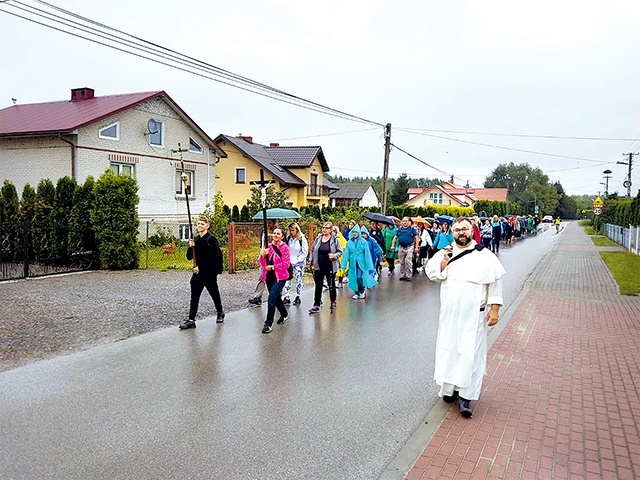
<point x="65" y="116"/>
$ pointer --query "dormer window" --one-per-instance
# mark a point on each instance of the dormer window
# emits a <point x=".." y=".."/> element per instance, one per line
<point x="194" y="147"/>
<point x="110" y="132"/>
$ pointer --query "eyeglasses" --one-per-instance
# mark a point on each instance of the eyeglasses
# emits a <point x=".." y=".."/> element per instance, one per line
<point x="324" y="226"/>
<point x="458" y="230"/>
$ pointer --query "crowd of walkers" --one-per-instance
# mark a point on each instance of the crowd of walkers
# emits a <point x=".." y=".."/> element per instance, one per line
<point x="353" y="256"/>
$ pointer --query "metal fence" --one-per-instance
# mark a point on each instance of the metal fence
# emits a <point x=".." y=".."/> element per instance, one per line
<point x="35" y="249"/>
<point x="629" y="238"/>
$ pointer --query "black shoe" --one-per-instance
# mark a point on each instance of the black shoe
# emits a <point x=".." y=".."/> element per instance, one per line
<point x="465" y="408"/>
<point x="220" y="317"/>
<point x="283" y="319"/>
<point x="297" y="301"/>
<point x="286" y="301"/>
<point x="255" y="301"/>
<point x="266" y="328"/>
<point x="451" y="398"/>
<point x="187" y="324"/>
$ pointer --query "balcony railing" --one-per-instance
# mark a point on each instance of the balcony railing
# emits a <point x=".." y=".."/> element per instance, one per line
<point x="317" y="191"/>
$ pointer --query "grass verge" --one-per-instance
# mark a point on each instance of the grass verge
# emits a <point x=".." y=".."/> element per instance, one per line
<point x="625" y="268"/>
<point x="600" y="241"/>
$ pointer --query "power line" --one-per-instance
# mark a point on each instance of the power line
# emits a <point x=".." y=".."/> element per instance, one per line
<point x="158" y="54"/>
<point x="326" y="134"/>
<point x="501" y="147"/>
<point x="518" y="135"/>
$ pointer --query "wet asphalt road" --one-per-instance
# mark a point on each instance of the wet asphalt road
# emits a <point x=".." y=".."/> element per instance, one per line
<point x="330" y="396"/>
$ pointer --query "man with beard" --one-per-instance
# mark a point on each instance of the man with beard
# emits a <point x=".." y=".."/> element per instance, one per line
<point x="470" y="298"/>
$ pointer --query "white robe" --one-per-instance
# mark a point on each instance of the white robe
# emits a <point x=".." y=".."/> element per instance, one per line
<point x="468" y="284"/>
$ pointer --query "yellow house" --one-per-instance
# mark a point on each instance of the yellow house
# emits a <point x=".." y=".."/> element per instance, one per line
<point x="297" y="171"/>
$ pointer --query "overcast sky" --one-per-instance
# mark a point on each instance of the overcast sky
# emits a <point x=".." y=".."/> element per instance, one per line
<point x="505" y="72"/>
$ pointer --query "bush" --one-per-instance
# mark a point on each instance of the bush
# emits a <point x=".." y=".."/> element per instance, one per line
<point x="115" y="220"/>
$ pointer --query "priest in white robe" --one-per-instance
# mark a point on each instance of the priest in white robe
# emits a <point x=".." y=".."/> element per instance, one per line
<point x="470" y="299"/>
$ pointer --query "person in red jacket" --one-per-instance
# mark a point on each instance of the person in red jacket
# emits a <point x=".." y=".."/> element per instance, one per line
<point x="476" y="224"/>
<point x="275" y="261"/>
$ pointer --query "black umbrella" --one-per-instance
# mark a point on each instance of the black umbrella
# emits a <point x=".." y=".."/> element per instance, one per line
<point x="378" y="217"/>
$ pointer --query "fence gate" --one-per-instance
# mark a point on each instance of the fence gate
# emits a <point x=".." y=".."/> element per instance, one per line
<point x="35" y="249"/>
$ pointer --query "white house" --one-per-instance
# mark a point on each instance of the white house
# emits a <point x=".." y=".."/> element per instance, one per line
<point x="132" y="134"/>
<point x="354" y="194"/>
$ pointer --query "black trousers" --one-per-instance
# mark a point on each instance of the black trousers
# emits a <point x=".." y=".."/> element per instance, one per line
<point x="198" y="283"/>
<point x="318" y="277"/>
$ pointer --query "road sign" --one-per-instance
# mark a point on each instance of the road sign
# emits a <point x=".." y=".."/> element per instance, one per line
<point x="597" y="203"/>
<point x="536" y="209"/>
<point x="626" y="184"/>
<point x="597" y="211"/>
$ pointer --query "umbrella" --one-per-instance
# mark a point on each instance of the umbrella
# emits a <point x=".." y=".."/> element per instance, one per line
<point x="378" y="217"/>
<point x="420" y="220"/>
<point x="277" y="213"/>
<point x="447" y="218"/>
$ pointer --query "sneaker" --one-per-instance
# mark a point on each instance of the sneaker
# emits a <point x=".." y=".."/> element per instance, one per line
<point x="465" y="408"/>
<point x="286" y="301"/>
<point x="314" y="309"/>
<point x="297" y="301"/>
<point x="256" y="302"/>
<point x="390" y="273"/>
<point x="187" y="324"/>
<point x="282" y="319"/>
<point x="362" y="296"/>
<point x="267" y="328"/>
<point x="220" y="317"/>
<point x="334" y="305"/>
<point x="355" y="296"/>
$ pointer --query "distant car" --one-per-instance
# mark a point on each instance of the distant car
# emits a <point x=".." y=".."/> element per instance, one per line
<point x="547" y="219"/>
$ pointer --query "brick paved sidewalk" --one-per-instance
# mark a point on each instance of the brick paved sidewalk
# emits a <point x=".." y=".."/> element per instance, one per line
<point x="562" y="395"/>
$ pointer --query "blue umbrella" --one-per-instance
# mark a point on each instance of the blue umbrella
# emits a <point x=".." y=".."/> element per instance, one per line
<point x="277" y="213"/>
<point x="447" y="218"/>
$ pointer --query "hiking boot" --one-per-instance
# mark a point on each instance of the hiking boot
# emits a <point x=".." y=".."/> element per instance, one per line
<point x="283" y="319"/>
<point x="220" y="317"/>
<point x="297" y="301"/>
<point x="314" y="309"/>
<point x="451" y="398"/>
<point x="267" y="328"/>
<point x="187" y="324"/>
<point x="465" y="408"/>
<point x="286" y="301"/>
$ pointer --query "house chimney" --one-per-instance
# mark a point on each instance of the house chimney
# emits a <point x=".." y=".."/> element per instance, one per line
<point x="274" y="145"/>
<point x="245" y="138"/>
<point x="79" y="94"/>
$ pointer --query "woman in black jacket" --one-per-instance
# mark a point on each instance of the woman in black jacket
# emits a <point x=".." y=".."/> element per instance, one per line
<point x="207" y="266"/>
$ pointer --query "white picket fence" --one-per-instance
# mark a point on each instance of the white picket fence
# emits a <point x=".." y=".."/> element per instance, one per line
<point x="629" y="238"/>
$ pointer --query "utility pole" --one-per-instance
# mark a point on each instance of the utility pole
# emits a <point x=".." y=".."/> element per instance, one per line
<point x="627" y="182"/>
<point x="385" y="175"/>
<point x="607" y="176"/>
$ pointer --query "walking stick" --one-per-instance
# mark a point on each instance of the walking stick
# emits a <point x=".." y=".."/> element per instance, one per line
<point x="184" y="177"/>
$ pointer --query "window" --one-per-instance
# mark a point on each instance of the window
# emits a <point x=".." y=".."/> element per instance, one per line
<point x="123" y="169"/>
<point x="435" y="198"/>
<point x="190" y="182"/>
<point x="156" y="131"/>
<point x="241" y="175"/>
<point x="194" y="147"/>
<point x="184" y="232"/>
<point x="110" y="132"/>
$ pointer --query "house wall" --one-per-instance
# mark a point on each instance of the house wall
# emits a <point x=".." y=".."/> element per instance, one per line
<point x="370" y="199"/>
<point x="31" y="159"/>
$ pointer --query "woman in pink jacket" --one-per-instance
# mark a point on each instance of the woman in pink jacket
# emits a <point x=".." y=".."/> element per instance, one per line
<point x="275" y="261"/>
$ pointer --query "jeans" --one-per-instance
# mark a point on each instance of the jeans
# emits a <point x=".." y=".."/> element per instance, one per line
<point x="275" y="300"/>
